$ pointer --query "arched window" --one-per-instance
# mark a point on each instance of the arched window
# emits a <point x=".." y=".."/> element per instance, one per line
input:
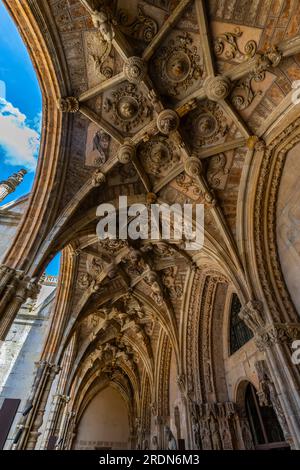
<point x="265" y="428"/>
<point x="240" y="334"/>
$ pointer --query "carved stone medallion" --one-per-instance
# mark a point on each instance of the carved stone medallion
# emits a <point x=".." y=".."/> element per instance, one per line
<point x="207" y="125"/>
<point x="178" y="65"/>
<point x="127" y="108"/>
<point x="135" y="69"/>
<point x="158" y="155"/>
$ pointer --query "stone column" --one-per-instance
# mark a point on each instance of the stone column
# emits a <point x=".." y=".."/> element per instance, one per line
<point x="62" y="429"/>
<point x="53" y="423"/>
<point x="275" y="340"/>
<point x="9" y="288"/>
<point x="6" y="274"/>
<point x="32" y="421"/>
<point x="16" y="292"/>
<point x="70" y="431"/>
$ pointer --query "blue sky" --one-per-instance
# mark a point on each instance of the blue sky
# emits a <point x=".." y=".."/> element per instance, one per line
<point x="53" y="267"/>
<point x="20" y="112"/>
<point x="20" y="106"/>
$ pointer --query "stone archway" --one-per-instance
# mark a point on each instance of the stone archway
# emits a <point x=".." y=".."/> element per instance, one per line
<point x="104" y="423"/>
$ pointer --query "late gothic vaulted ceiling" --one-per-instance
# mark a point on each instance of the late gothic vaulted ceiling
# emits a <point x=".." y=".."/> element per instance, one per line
<point x="169" y="101"/>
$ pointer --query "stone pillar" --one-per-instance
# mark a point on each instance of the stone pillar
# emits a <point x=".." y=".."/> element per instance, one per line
<point x="15" y="292"/>
<point x="36" y="404"/>
<point x="70" y="431"/>
<point x="62" y="429"/>
<point x="6" y="274"/>
<point x="275" y="340"/>
<point x="53" y="423"/>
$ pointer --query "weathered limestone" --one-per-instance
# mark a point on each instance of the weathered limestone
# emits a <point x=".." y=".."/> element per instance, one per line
<point x="275" y="340"/>
<point x="29" y="425"/>
<point x="16" y="290"/>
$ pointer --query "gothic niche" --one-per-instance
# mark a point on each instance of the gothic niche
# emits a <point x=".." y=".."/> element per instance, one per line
<point x="127" y="108"/>
<point x="178" y="66"/>
<point x="97" y="146"/>
<point x="206" y="125"/>
<point x="158" y="155"/>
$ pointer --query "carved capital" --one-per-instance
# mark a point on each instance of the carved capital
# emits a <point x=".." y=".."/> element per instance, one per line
<point x="134" y="69"/>
<point x="277" y="333"/>
<point x="70" y="104"/>
<point x="252" y="315"/>
<point x="217" y="88"/>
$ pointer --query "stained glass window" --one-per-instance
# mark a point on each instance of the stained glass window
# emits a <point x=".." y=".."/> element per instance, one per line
<point x="240" y="334"/>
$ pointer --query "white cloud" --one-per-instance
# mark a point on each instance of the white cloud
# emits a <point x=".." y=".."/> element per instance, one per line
<point x="2" y="89"/>
<point x="19" y="141"/>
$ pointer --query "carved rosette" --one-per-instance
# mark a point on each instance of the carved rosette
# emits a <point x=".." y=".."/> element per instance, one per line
<point x="178" y="65"/>
<point x="127" y="108"/>
<point x="135" y="69"/>
<point x="206" y="125"/>
<point x="126" y="152"/>
<point x="167" y="121"/>
<point x="69" y="104"/>
<point x="158" y="155"/>
<point x="217" y="88"/>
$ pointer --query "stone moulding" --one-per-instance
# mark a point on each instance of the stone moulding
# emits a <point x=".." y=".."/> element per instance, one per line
<point x="271" y="169"/>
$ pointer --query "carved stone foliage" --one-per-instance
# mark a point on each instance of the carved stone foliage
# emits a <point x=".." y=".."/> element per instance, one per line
<point x="227" y="46"/>
<point x="186" y="185"/>
<point x="158" y="155"/>
<point x="95" y="265"/>
<point x="178" y="65"/>
<point x="217" y="171"/>
<point x="207" y="125"/>
<point x="142" y="27"/>
<point x="100" y="60"/>
<point x="127" y="108"/>
<point x="172" y="283"/>
<point x="84" y="280"/>
<point x="111" y="247"/>
<point x="244" y="94"/>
